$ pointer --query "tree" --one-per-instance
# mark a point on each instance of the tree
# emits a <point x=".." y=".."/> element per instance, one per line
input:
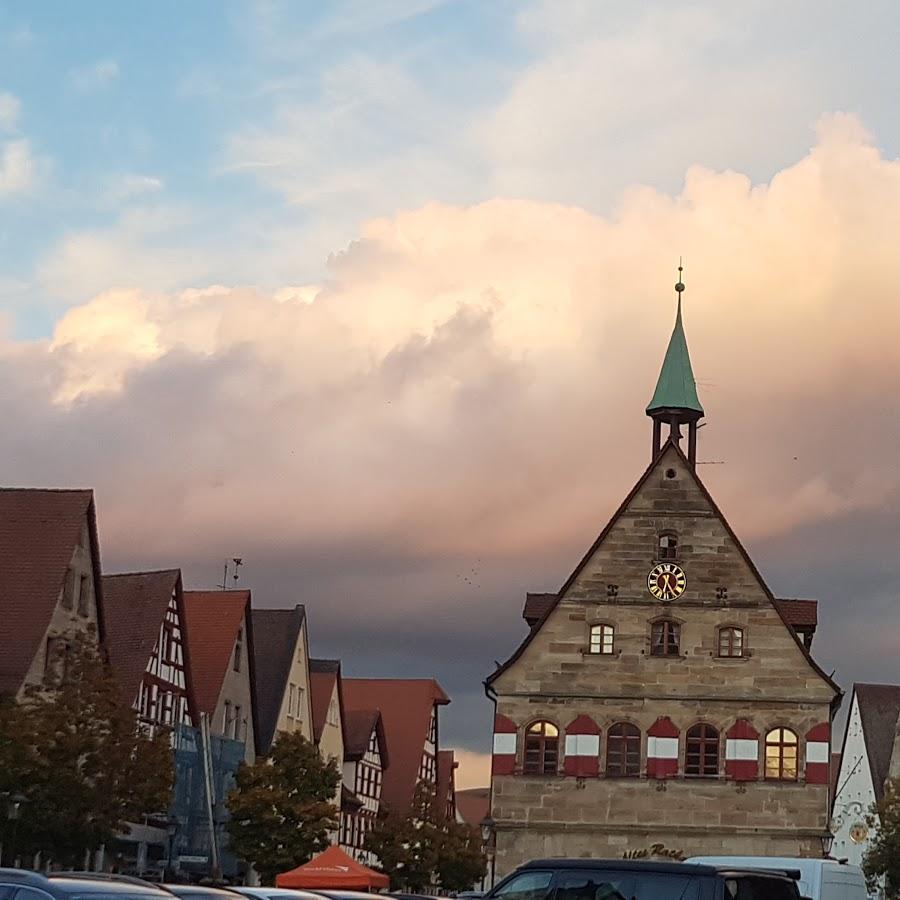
<point x="882" y="860"/>
<point x="421" y="848"/>
<point x="281" y="807"/>
<point x="74" y="750"/>
<point x="461" y="863"/>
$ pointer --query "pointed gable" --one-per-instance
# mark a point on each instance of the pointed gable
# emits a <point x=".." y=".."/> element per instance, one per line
<point x="406" y="706"/>
<point x="879" y="711"/>
<point x="669" y="490"/>
<point x="212" y="620"/>
<point x="40" y="532"/>
<point x="136" y="605"/>
<point x="276" y="634"/>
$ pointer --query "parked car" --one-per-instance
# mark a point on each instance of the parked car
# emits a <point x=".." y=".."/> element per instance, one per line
<point x="273" y="893"/>
<point x="202" y="892"/>
<point x="629" y="879"/>
<point x="818" y="879"/>
<point x="26" y="885"/>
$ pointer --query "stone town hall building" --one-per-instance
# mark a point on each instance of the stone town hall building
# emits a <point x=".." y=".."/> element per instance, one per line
<point x="664" y="702"/>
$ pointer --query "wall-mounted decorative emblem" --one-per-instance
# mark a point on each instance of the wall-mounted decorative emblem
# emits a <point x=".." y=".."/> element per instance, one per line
<point x="666" y="581"/>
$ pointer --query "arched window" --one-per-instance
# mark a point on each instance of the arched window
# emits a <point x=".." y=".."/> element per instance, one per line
<point x="668" y="546"/>
<point x="541" y="749"/>
<point x="623" y="750"/>
<point x="731" y="641"/>
<point x="702" y="755"/>
<point x="665" y="638"/>
<point x="601" y="639"/>
<point x="781" y="755"/>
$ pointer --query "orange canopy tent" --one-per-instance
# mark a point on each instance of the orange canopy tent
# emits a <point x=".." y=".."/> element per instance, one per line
<point x="333" y="869"/>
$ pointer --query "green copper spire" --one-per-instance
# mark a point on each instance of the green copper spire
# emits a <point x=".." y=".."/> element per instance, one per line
<point x="676" y="388"/>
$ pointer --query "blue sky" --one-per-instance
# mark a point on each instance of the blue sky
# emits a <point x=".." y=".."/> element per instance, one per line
<point x="244" y="142"/>
<point x="342" y="288"/>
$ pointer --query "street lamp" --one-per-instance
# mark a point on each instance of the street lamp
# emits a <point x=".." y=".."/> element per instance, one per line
<point x="12" y="814"/>
<point x="489" y="842"/>
<point x="171" y="831"/>
<point x="827" y="844"/>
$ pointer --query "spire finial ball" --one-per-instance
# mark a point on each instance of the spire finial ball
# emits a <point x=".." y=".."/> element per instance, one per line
<point x="680" y="285"/>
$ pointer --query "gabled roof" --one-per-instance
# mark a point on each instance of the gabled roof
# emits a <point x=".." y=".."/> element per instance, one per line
<point x="39" y="530"/>
<point x="212" y="620"/>
<point x="879" y="709"/>
<point x="446" y="777"/>
<point x="473" y="805"/>
<point x="406" y="706"/>
<point x="676" y="388"/>
<point x="536" y="605"/>
<point x="799" y="613"/>
<point x="359" y="725"/>
<point x="324" y="677"/>
<point x="136" y="606"/>
<point x="275" y="636"/>
<point x="669" y="446"/>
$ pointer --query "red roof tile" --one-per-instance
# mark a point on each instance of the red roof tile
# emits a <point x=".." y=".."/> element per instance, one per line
<point x="135" y="605"/>
<point x="799" y="613"/>
<point x="406" y="706"/>
<point x="473" y="805"/>
<point x="39" y="530"/>
<point x="212" y="619"/>
<point x="324" y="674"/>
<point x="535" y="607"/>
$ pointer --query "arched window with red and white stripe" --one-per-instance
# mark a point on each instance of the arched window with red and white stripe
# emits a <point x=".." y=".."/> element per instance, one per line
<point x="582" y="748"/>
<point x="503" y="761"/>
<point x="742" y="752"/>
<point x="662" y="749"/>
<point x="818" y="753"/>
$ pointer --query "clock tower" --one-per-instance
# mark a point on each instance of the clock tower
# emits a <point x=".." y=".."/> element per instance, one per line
<point x="663" y="702"/>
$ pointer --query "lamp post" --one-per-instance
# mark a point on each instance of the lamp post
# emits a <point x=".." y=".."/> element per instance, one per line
<point x="489" y="842"/>
<point x="827" y="844"/>
<point x="14" y="803"/>
<point x="171" y="831"/>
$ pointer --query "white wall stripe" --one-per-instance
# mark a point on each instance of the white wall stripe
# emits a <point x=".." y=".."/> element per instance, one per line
<point x="662" y="748"/>
<point x="504" y="744"/>
<point x="741" y="749"/>
<point x="582" y="745"/>
<point x="817" y="752"/>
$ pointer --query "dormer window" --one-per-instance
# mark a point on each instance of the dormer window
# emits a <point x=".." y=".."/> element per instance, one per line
<point x="668" y="546"/>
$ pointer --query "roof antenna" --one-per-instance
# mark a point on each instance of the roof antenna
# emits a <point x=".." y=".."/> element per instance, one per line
<point x="238" y="562"/>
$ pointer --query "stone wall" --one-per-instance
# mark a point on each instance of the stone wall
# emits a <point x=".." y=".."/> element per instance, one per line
<point x="774" y="684"/>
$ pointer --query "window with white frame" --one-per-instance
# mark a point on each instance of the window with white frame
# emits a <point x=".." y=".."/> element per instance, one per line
<point x="602" y="639"/>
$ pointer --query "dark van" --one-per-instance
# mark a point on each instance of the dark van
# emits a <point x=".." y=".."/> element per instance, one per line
<point x="629" y="879"/>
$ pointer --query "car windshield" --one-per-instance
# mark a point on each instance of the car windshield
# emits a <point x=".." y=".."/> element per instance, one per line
<point x="627" y="885"/>
<point x="756" y="887"/>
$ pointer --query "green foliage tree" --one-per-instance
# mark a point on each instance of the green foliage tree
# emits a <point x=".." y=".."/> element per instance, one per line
<point x="882" y="860"/>
<point x="421" y="848"/>
<point x="74" y="750"/>
<point x="281" y="807"/>
<point x="461" y="863"/>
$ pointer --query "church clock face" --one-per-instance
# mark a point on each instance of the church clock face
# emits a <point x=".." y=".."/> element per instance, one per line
<point x="666" y="581"/>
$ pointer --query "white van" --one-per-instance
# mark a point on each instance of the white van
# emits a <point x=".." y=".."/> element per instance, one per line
<point x="820" y="879"/>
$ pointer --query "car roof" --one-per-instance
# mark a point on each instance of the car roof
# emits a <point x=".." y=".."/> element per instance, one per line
<point x="199" y="889"/>
<point x="275" y="891"/>
<point x="642" y="865"/>
<point x="72" y="884"/>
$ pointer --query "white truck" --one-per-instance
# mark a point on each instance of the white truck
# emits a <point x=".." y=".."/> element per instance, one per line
<point x="820" y="879"/>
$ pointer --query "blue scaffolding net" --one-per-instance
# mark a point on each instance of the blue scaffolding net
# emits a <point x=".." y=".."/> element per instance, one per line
<point x="193" y="839"/>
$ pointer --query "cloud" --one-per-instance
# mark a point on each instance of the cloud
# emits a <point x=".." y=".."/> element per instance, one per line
<point x="17" y="167"/>
<point x="474" y="769"/>
<point x="449" y="417"/>
<point x="94" y="77"/>
<point x="10" y="107"/>
<point x="126" y="187"/>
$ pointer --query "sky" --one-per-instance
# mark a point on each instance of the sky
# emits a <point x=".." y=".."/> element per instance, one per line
<point x="373" y="294"/>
